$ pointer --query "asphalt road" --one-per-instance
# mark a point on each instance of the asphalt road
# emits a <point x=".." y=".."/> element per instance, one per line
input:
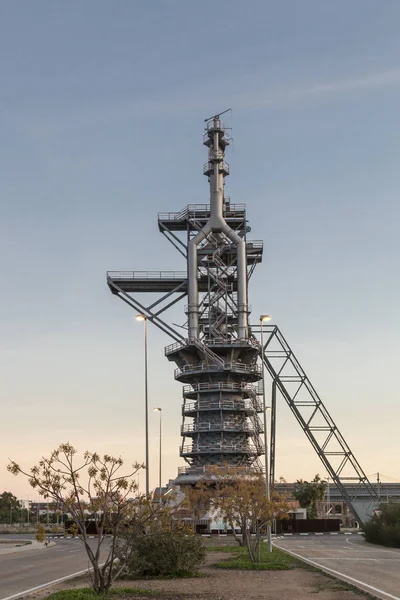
<point x="31" y="568"/>
<point x="375" y="569"/>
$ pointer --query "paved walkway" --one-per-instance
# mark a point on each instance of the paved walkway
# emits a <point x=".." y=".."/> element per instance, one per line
<point x="374" y="569"/>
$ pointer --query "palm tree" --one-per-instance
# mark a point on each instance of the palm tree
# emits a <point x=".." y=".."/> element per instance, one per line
<point x="309" y="493"/>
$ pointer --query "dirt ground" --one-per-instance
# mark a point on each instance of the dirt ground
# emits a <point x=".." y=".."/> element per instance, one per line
<point x="218" y="584"/>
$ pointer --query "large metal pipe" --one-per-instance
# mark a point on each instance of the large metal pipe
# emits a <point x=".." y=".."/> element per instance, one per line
<point x="193" y="288"/>
<point x="217" y="223"/>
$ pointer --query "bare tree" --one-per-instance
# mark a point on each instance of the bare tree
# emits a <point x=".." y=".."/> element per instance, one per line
<point x="95" y="488"/>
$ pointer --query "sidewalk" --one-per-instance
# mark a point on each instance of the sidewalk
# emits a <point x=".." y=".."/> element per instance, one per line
<point x="27" y="545"/>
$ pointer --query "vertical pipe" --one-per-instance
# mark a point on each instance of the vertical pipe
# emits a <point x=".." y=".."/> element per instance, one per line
<point x="159" y="481"/>
<point x="273" y="435"/>
<point x="269" y="544"/>
<point x="192" y="289"/>
<point x="328" y="500"/>
<point x="242" y="290"/>
<point x="146" y="403"/>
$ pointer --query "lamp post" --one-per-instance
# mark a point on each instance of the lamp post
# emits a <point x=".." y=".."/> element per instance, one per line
<point x="146" y="400"/>
<point x="159" y="410"/>
<point x="264" y="318"/>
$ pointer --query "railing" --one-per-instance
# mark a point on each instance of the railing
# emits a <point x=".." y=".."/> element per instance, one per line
<point x="231" y="405"/>
<point x="220" y="386"/>
<point x="255" y="244"/>
<point x="245" y="470"/>
<point x="146" y="275"/>
<point x="233" y="342"/>
<point x="223" y="167"/>
<point x="220" y="447"/>
<point x="213" y="124"/>
<point x="205" y="367"/>
<point x="226" y="426"/>
<point x="193" y="211"/>
<point x="214" y="358"/>
<point x="212" y="312"/>
<point x="225" y="138"/>
<point x="174" y="347"/>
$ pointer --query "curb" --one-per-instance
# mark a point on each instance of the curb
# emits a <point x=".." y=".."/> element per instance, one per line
<point x="284" y="535"/>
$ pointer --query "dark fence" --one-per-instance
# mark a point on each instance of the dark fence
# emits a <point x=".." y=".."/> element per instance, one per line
<point x="308" y="525"/>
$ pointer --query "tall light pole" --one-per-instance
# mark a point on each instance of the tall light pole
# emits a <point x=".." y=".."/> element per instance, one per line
<point x="146" y="399"/>
<point x="264" y="318"/>
<point x="159" y="410"/>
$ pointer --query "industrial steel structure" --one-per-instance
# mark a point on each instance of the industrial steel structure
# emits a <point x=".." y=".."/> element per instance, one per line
<point x="218" y="361"/>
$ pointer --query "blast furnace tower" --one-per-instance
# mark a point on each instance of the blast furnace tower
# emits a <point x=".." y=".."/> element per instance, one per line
<point x="218" y="358"/>
<point x="217" y="362"/>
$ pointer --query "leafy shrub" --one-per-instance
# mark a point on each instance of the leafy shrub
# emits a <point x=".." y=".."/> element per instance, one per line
<point x="40" y="534"/>
<point x="384" y="527"/>
<point x="163" y="553"/>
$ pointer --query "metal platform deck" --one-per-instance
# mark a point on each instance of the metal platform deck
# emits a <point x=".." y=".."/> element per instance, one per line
<point x="158" y="281"/>
<point x="195" y="215"/>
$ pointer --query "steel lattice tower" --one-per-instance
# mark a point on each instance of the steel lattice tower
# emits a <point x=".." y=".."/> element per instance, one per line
<point x="218" y="360"/>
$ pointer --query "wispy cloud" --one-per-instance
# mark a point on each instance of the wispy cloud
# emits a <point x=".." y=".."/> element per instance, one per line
<point x="368" y="81"/>
<point x="257" y="94"/>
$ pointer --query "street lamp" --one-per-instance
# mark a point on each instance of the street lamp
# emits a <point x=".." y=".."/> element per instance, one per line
<point x="143" y="318"/>
<point x="159" y="410"/>
<point x="263" y="319"/>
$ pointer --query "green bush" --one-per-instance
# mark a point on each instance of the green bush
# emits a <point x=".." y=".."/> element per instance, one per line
<point x="165" y="554"/>
<point x="384" y="527"/>
<point x="40" y="535"/>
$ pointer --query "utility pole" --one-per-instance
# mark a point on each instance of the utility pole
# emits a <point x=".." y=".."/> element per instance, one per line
<point x="328" y="499"/>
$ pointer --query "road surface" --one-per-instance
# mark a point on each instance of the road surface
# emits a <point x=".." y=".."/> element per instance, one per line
<point x="375" y="569"/>
<point x="31" y="568"/>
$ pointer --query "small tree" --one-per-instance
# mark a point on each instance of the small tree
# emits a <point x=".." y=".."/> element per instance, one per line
<point x="105" y="495"/>
<point x="10" y="508"/>
<point x="40" y="535"/>
<point x="309" y="493"/>
<point x="238" y="495"/>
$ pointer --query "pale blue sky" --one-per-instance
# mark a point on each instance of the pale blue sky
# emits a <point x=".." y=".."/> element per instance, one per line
<point x="101" y="114"/>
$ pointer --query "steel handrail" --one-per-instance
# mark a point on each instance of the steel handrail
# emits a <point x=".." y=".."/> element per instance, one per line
<point x="207" y="426"/>
<point x="192" y="209"/>
<point x="144" y="275"/>
<point x="220" y="385"/>
<point x="235" y="367"/>
<point x="220" y="447"/>
<point x="232" y="405"/>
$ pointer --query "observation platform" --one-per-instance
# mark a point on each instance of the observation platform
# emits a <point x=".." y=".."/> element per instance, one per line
<point x="195" y="216"/>
<point x="247" y="389"/>
<point x="194" y="428"/>
<point x="215" y="343"/>
<point x="246" y="449"/>
<point x="190" y="409"/>
<point x="191" y="474"/>
<point x="251" y="372"/>
<point x="160" y="281"/>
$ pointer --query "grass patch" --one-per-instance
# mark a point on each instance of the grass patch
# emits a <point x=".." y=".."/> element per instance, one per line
<point x="270" y="561"/>
<point x="89" y="594"/>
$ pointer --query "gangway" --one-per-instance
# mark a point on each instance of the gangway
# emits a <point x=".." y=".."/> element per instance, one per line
<point x="291" y="380"/>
